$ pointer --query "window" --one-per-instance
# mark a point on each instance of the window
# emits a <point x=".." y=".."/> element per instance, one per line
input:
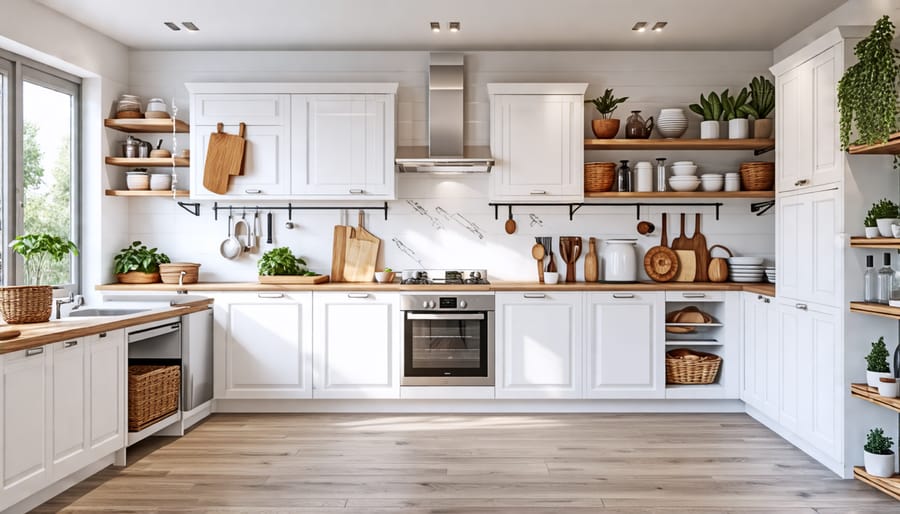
<point x="40" y="162"/>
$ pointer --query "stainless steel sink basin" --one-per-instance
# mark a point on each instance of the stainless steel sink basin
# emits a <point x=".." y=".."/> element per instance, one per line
<point x="100" y="311"/>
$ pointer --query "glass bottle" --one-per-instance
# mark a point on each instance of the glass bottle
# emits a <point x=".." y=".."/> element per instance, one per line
<point x="623" y="178"/>
<point x="895" y="285"/>
<point x="661" y="174"/>
<point x="870" y="279"/>
<point x="885" y="280"/>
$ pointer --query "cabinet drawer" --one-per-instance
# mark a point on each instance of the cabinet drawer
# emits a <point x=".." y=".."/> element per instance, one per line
<point x="624" y="296"/>
<point x="695" y="296"/>
<point x="249" y="109"/>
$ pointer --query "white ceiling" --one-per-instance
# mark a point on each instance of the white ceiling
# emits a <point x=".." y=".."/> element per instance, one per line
<point x="486" y="24"/>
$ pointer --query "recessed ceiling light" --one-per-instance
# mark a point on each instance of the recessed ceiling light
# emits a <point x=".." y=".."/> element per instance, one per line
<point x="659" y="26"/>
<point x="640" y="26"/>
<point x="435" y="26"/>
<point x="454" y="26"/>
<point x="190" y="26"/>
<point x="172" y="25"/>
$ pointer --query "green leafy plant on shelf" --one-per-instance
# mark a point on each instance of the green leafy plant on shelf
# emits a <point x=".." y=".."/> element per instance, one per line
<point x="38" y="251"/>
<point x="867" y="93"/>
<point x="709" y="108"/>
<point x="877" y="359"/>
<point x="606" y="104"/>
<point x="281" y="261"/>
<point x="762" y="98"/>
<point x="138" y="257"/>
<point x="881" y="209"/>
<point x="878" y="443"/>
<point x="734" y="107"/>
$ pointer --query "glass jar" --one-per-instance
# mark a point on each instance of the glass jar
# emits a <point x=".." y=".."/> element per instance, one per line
<point x="624" y="178"/>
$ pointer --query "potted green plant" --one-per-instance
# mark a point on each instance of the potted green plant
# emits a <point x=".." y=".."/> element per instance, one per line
<point x="733" y="109"/>
<point x="33" y="302"/>
<point x="281" y="266"/>
<point x="137" y="264"/>
<point x="870" y="226"/>
<point x="867" y="92"/>
<point x="711" y="110"/>
<point x="878" y="457"/>
<point x="606" y="127"/>
<point x="885" y="213"/>
<point x="877" y="363"/>
<point x="760" y="106"/>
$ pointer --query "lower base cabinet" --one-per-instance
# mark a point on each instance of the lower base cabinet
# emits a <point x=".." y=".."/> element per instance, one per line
<point x="760" y="379"/>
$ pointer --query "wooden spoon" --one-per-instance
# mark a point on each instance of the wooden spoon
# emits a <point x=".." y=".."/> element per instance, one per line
<point x="537" y="251"/>
<point x="510" y="225"/>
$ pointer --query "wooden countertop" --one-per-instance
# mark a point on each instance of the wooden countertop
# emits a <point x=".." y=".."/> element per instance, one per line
<point x="39" y="334"/>
<point x="761" y="288"/>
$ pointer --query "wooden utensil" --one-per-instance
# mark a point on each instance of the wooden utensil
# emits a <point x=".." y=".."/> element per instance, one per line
<point x="682" y="242"/>
<point x="342" y="234"/>
<point x="510" y="225"/>
<point x="701" y="251"/>
<point x="591" y="265"/>
<point x="660" y="262"/>
<point x="718" y="267"/>
<point x="224" y="158"/>
<point x="362" y="254"/>
<point x="537" y="251"/>
<point x="570" y="250"/>
<point x="9" y="333"/>
<point x="687" y="266"/>
<point x="645" y="227"/>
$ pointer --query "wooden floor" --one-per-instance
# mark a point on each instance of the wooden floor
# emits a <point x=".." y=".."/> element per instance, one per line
<point x="556" y="463"/>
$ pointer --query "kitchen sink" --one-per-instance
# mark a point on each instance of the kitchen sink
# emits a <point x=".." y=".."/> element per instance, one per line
<point x="100" y="311"/>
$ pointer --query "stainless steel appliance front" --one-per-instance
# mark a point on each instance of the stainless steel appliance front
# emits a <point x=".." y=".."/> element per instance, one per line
<point x="448" y="339"/>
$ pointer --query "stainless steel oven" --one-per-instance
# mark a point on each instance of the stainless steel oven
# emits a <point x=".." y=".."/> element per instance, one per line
<point x="448" y="339"/>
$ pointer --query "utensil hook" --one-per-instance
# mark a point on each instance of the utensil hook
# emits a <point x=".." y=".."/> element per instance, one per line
<point x="510" y="211"/>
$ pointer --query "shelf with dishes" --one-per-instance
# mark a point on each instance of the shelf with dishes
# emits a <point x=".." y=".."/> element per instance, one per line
<point x="890" y="147"/>
<point x="756" y="145"/>
<point x="180" y="193"/>
<point x="878" y="243"/>
<point x="146" y="125"/>
<point x="684" y="194"/>
<point x="149" y="162"/>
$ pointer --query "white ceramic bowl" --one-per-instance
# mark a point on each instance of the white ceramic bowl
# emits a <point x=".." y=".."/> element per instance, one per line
<point x="137" y="180"/>
<point x="551" y="277"/>
<point x="160" y="181"/>
<point x="684" y="170"/>
<point x="384" y="276"/>
<point x="679" y="163"/>
<point x="712" y="186"/>
<point x="684" y="186"/>
<point x="685" y="178"/>
<point x="756" y="261"/>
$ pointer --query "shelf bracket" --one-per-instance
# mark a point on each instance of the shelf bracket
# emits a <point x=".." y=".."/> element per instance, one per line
<point x="763" y="150"/>
<point x="760" y="208"/>
<point x="573" y="208"/>
<point x="191" y="207"/>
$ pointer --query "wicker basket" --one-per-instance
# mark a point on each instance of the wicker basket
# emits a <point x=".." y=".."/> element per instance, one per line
<point x="685" y="366"/>
<point x="757" y="176"/>
<point x="170" y="272"/>
<point x="599" y="176"/>
<point x="26" y="304"/>
<point x="152" y="394"/>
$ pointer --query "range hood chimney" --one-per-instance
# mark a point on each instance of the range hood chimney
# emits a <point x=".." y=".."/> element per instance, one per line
<point x="445" y="152"/>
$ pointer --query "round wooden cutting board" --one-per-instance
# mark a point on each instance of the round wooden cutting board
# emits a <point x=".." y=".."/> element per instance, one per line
<point x="661" y="263"/>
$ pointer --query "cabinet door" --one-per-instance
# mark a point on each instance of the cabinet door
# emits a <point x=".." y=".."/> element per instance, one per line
<point x="107" y="369"/>
<point x="24" y="424"/>
<point x="266" y="350"/>
<point x="267" y="162"/>
<point x="827" y="158"/>
<point x="538" y="146"/>
<point x="342" y="145"/>
<point x="793" y="146"/>
<point x="790" y="324"/>
<point x="824" y="256"/>
<point x="231" y="109"/>
<point x="356" y="345"/>
<point x="539" y="345"/>
<point x="793" y="243"/>
<point x="69" y="446"/>
<point x="748" y="372"/>
<point x="625" y="345"/>
<point x="762" y="357"/>
<point x="821" y="388"/>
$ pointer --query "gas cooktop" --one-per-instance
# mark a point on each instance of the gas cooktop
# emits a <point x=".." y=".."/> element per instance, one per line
<point x="457" y="277"/>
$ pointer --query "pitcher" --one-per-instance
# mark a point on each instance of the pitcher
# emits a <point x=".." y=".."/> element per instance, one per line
<point x="636" y="127"/>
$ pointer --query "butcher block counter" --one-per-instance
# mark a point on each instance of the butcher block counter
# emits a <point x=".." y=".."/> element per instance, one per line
<point x="39" y="334"/>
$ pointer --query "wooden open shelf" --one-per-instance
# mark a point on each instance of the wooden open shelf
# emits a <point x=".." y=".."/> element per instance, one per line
<point x="889" y="486"/>
<point x="680" y="144"/>
<point x="149" y="162"/>
<point x="875" y="309"/>
<point x="875" y="242"/>
<point x="146" y="125"/>
<point x="891" y="147"/>
<point x="870" y="394"/>
<point x="167" y="193"/>
<point x="689" y="194"/>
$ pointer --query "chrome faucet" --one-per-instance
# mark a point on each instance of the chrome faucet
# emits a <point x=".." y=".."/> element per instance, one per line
<point x="181" y="289"/>
<point x="76" y="299"/>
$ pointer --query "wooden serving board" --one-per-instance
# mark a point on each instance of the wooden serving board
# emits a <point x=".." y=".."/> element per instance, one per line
<point x="292" y="279"/>
<point x="224" y="158"/>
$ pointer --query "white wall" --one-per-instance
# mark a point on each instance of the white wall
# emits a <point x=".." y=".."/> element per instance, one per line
<point x="651" y="80"/>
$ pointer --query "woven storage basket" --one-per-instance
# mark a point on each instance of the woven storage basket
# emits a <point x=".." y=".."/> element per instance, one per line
<point x="599" y="176"/>
<point x="26" y="304"/>
<point x="170" y="272"/>
<point x="702" y="370"/>
<point x="152" y="394"/>
<point x="757" y="176"/>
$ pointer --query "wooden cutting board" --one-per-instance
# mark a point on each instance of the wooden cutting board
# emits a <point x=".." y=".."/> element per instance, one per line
<point x="224" y="158"/>
<point x="342" y="234"/>
<point x="698" y="242"/>
<point x="362" y="254"/>
<point x="9" y="333"/>
<point x="687" y="266"/>
<point x="682" y="242"/>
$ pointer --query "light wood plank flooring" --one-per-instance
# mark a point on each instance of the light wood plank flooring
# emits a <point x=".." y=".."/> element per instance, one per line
<point x="522" y="463"/>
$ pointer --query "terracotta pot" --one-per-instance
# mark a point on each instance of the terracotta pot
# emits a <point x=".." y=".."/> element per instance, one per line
<point x="605" y="128"/>
<point x="137" y="277"/>
<point x="762" y="129"/>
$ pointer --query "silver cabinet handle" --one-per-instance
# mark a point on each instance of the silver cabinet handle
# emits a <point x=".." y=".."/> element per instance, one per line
<point x="622" y="296"/>
<point x="34" y="351"/>
<point x="802" y="182"/>
<point x="357" y="295"/>
<point x="270" y="295"/>
<point x="766" y="300"/>
<point x="534" y="295"/>
<point x="253" y="191"/>
<point x="357" y="191"/>
<point x="538" y="193"/>
<point x="69" y="344"/>
<point x="801" y="306"/>
<point x="693" y="295"/>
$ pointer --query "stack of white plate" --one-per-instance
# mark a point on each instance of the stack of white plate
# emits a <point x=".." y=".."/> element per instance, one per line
<point x="746" y="269"/>
<point x="770" y="274"/>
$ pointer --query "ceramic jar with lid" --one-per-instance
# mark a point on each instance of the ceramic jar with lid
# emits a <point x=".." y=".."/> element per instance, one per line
<point x="636" y="127"/>
<point x="644" y="172"/>
<point x="620" y="260"/>
<point x="156" y="105"/>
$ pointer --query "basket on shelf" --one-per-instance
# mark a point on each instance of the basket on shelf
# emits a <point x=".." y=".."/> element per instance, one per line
<point x="684" y="366"/>
<point x="26" y="304"/>
<point x="757" y="176"/>
<point x="599" y="176"/>
<point x="171" y="272"/>
<point x="152" y="394"/>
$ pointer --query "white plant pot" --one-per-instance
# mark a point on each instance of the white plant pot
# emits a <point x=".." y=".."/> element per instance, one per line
<point x="888" y="389"/>
<point x="871" y="232"/>
<point x="884" y="226"/>
<point x="709" y="129"/>
<point x="738" y="128"/>
<point x="872" y="378"/>
<point x="879" y="465"/>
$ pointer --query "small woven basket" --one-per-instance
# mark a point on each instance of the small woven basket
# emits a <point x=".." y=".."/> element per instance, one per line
<point x="685" y="366"/>
<point x="757" y="176"/>
<point x="26" y="304"/>
<point x="171" y="272"/>
<point x="599" y="176"/>
<point x="152" y="394"/>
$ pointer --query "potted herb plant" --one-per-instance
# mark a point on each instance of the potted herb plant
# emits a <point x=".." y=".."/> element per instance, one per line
<point x="878" y="457"/>
<point x="876" y="363"/>
<point x="885" y="213"/>
<point x="761" y="104"/>
<point x="138" y="264"/>
<point x="281" y="266"/>
<point x="870" y="226"/>
<point x="733" y="109"/>
<point x="711" y="111"/>
<point x="33" y="303"/>
<point x="606" y="127"/>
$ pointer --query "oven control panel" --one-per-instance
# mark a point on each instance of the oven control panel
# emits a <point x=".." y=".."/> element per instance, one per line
<point x="447" y="303"/>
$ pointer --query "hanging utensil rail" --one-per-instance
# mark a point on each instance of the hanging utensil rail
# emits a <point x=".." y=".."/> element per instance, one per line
<point x="194" y="208"/>
<point x="574" y="207"/>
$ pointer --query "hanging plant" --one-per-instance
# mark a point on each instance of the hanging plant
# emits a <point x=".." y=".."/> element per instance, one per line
<point x="867" y="93"/>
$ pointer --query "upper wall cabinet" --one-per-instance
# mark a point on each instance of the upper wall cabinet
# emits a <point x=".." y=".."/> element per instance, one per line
<point x="537" y="140"/>
<point x="328" y="141"/>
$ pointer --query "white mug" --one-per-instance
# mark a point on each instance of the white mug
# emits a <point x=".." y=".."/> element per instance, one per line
<point x="551" y="277"/>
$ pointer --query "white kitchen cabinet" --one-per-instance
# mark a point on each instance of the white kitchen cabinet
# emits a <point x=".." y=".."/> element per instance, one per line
<point x="343" y="146"/>
<point x="625" y="345"/>
<point x="761" y="378"/>
<point x="108" y="371"/>
<point x="808" y="247"/>
<point x="356" y="345"/>
<point x="539" y="345"/>
<point x="537" y="141"/>
<point x="70" y="447"/>
<point x="263" y="345"/>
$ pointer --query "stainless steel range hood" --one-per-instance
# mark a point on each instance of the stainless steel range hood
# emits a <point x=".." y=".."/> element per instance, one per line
<point x="445" y="152"/>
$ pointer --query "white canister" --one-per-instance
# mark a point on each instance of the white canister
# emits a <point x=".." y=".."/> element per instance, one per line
<point x="620" y="260"/>
<point x="732" y="182"/>
<point x="156" y="104"/>
<point x="644" y="172"/>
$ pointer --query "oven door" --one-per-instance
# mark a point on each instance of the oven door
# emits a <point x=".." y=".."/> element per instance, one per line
<point x="448" y="348"/>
